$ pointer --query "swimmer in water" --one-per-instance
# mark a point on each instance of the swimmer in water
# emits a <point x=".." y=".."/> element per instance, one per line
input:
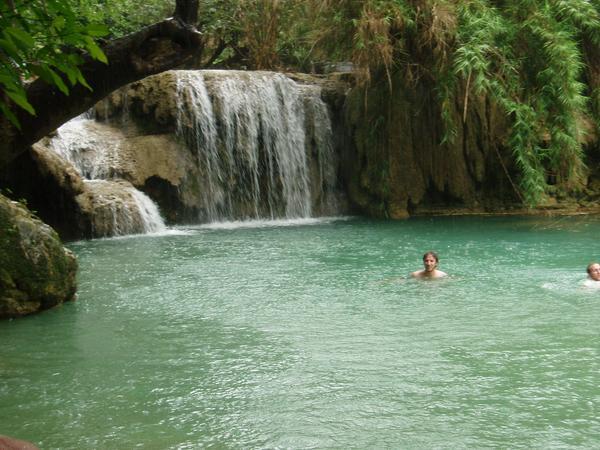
<point x="593" y="271"/>
<point x="430" y="262"/>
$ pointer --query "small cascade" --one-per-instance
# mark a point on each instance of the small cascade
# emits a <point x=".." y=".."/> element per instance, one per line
<point x="94" y="150"/>
<point x="246" y="146"/>
<point x="148" y="211"/>
<point x="322" y="148"/>
<point x="91" y="150"/>
<point x="252" y="133"/>
<point x="197" y="125"/>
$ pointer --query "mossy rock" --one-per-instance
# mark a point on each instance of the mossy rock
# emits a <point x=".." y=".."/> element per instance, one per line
<point x="36" y="271"/>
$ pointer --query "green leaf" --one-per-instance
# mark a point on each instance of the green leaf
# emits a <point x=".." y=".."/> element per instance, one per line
<point x="21" y="35"/>
<point x="42" y="72"/>
<point x="58" y="81"/>
<point x="8" y="113"/>
<point x="70" y="73"/>
<point x="95" y="51"/>
<point x="59" y="23"/>
<point x="81" y="79"/>
<point x="96" y="30"/>
<point x="67" y="69"/>
<point x="9" y="47"/>
<point x="7" y="80"/>
<point x="75" y="59"/>
<point x="20" y="99"/>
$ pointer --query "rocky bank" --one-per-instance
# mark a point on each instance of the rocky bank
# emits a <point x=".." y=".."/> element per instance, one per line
<point x="36" y="271"/>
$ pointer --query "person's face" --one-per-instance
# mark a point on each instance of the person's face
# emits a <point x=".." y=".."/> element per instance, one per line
<point x="595" y="272"/>
<point x="430" y="264"/>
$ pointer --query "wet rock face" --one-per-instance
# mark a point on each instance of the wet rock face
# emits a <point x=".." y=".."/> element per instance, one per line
<point x="241" y="139"/>
<point x="74" y="207"/>
<point x="122" y="150"/>
<point x="112" y="208"/>
<point x="50" y="187"/>
<point x="36" y="271"/>
<point x="397" y="165"/>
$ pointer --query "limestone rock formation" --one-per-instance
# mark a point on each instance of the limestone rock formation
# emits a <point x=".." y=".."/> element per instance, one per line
<point x="36" y="271"/>
<point x="153" y="162"/>
<point x="396" y="164"/>
<point x="113" y="208"/>
<point x="75" y="207"/>
<point x="173" y="175"/>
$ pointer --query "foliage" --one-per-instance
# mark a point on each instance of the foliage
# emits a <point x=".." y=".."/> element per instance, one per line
<point x="124" y="16"/>
<point x="257" y="34"/>
<point x="45" y="39"/>
<point x="525" y="56"/>
<point x="260" y="40"/>
<point x="372" y="34"/>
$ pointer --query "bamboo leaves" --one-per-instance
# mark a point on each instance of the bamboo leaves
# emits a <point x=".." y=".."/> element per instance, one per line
<point x="526" y="58"/>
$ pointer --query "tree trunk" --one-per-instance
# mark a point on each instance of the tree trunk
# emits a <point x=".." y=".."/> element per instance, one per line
<point x="154" y="49"/>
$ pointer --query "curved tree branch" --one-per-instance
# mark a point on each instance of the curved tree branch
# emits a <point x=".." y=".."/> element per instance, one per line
<point x="156" y="48"/>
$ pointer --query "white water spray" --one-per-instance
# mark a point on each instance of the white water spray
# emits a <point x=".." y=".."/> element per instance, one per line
<point x="249" y="133"/>
<point x="94" y="152"/>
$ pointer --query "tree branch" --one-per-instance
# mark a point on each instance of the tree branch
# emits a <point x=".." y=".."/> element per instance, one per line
<point x="156" y="48"/>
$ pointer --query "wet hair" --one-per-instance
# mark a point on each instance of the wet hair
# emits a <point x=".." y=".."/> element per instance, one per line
<point x="589" y="267"/>
<point x="434" y="254"/>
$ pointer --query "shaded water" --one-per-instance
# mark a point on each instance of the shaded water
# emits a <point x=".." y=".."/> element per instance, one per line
<point x="311" y="336"/>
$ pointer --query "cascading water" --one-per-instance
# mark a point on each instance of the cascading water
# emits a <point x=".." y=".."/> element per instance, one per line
<point x="148" y="211"/>
<point x="247" y="146"/>
<point x="82" y="143"/>
<point x="323" y="147"/>
<point x="120" y="209"/>
<point x="249" y="131"/>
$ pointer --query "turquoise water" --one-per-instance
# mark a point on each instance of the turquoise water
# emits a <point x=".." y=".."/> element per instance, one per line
<point x="311" y="336"/>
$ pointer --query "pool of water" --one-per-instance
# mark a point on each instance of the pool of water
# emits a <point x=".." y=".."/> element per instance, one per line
<point x="310" y="335"/>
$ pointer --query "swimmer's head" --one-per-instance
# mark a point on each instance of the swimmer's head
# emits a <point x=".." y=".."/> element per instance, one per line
<point x="593" y="270"/>
<point x="430" y="261"/>
<point x="433" y="254"/>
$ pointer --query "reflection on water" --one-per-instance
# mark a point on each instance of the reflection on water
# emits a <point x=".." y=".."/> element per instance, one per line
<point x="295" y="336"/>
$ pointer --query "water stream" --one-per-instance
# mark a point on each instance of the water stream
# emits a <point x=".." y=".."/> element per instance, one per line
<point x="253" y="133"/>
<point x="262" y="148"/>
<point x="93" y="149"/>
<point x="308" y="334"/>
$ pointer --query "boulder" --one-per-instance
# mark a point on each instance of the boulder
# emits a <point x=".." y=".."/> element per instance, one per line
<point x="113" y="208"/>
<point x="36" y="271"/>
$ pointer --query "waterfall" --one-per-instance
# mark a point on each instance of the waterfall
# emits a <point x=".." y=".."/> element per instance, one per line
<point x="323" y="147"/>
<point x="93" y="150"/>
<point x="250" y="134"/>
<point x="210" y="146"/>
<point x="197" y="125"/>
<point x="148" y="211"/>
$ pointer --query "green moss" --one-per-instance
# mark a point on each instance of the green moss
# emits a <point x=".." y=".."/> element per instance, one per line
<point x="35" y="267"/>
